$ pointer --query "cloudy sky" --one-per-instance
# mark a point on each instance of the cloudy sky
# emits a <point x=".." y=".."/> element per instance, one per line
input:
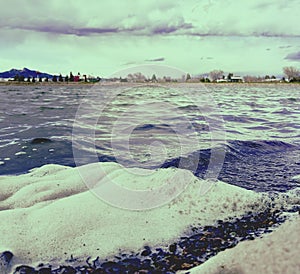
<point x="195" y="36"/>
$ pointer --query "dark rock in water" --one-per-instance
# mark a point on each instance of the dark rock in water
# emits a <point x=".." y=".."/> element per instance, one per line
<point x="113" y="267"/>
<point x="5" y="258"/>
<point x="98" y="271"/>
<point x="66" y="270"/>
<point x="36" y="141"/>
<point x="24" y="269"/>
<point x="45" y="271"/>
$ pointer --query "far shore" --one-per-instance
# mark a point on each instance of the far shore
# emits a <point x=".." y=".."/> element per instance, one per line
<point x="107" y="83"/>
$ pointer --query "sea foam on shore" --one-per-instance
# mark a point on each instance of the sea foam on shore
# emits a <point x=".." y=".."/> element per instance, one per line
<point x="49" y="214"/>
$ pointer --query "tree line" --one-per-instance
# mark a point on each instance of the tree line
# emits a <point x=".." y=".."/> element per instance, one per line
<point x="55" y="78"/>
<point x="291" y="74"/>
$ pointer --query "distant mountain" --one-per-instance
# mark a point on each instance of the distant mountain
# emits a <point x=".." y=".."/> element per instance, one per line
<point x="24" y="72"/>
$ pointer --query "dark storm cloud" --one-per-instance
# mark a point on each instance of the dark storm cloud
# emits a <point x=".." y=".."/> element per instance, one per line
<point x="294" y="56"/>
<point x="152" y="18"/>
<point x="66" y="29"/>
<point x="70" y="30"/>
<point x="156" y="59"/>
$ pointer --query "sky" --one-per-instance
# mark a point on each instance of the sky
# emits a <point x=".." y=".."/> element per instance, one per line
<point x="104" y="38"/>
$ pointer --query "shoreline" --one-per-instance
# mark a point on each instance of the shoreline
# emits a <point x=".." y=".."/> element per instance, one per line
<point x="179" y="259"/>
<point x="273" y="253"/>
<point x="12" y="83"/>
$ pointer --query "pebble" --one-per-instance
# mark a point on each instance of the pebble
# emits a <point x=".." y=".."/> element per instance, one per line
<point x="24" y="269"/>
<point x="45" y="271"/>
<point x="172" y="248"/>
<point x="146" y="251"/>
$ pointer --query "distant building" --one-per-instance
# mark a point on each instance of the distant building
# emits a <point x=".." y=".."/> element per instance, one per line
<point x="93" y="79"/>
<point x="273" y="80"/>
<point x="222" y="80"/>
<point x="77" y="78"/>
<point x="236" y="79"/>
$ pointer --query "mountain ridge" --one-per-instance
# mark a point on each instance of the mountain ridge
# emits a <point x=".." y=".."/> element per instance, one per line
<point x="25" y="72"/>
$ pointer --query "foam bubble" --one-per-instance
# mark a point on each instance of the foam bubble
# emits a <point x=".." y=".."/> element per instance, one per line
<point x="20" y="153"/>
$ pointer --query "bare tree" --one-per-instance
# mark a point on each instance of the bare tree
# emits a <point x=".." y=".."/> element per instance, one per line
<point x="253" y="79"/>
<point x="130" y="77"/>
<point x="291" y="72"/>
<point x="188" y="77"/>
<point x="139" y="77"/>
<point x="216" y="74"/>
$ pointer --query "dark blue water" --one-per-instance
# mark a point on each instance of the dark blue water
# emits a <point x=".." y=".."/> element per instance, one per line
<point x="261" y="123"/>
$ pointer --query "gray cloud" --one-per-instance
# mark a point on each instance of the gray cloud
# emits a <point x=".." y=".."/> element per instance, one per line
<point x="152" y="18"/>
<point x="156" y="59"/>
<point x="149" y="25"/>
<point x="130" y="63"/>
<point x="166" y="29"/>
<point x="64" y="28"/>
<point x="294" y="56"/>
<point x="240" y="34"/>
<point x="70" y="30"/>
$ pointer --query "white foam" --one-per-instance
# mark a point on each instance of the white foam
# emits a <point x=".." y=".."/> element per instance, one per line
<point x="277" y="252"/>
<point x="297" y="178"/>
<point x="49" y="213"/>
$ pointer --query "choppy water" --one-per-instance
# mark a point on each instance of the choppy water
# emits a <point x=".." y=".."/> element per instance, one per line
<point x="151" y="126"/>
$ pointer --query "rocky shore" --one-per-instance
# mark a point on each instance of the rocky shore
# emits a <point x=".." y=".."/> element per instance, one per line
<point x="197" y="247"/>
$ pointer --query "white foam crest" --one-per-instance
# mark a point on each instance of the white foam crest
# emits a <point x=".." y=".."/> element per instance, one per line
<point x="297" y="178"/>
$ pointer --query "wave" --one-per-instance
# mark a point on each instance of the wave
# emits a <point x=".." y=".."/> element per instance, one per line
<point x="257" y="165"/>
<point x="20" y="157"/>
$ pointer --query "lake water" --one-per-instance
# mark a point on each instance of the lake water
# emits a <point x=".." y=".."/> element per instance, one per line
<point x="243" y="135"/>
<point x="255" y="127"/>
